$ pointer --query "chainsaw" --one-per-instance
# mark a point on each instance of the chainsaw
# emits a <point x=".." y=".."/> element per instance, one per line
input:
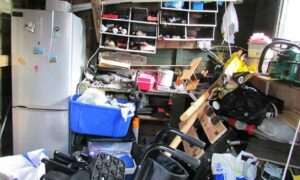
<point x="285" y="62"/>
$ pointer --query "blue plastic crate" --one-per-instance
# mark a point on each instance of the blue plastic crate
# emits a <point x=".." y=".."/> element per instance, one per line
<point x="197" y="5"/>
<point x="174" y="4"/>
<point x="98" y="120"/>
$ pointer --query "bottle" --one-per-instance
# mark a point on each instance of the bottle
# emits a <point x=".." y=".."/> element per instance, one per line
<point x="135" y="128"/>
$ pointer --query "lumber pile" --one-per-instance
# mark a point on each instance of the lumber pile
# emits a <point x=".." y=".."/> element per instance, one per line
<point x="202" y="111"/>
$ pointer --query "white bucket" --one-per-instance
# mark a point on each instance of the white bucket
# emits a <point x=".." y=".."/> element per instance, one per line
<point x="165" y="77"/>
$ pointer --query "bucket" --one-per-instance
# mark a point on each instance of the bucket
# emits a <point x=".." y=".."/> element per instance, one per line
<point x="165" y="77"/>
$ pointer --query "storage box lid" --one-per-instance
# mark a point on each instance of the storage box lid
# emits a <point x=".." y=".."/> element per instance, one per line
<point x="146" y="78"/>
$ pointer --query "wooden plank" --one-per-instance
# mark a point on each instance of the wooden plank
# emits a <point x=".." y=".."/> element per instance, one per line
<point x="176" y="45"/>
<point x="96" y="9"/>
<point x="186" y="125"/>
<point x="290" y="117"/>
<point x="204" y="96"/>
<point x="279" y="90"/>
<point x="193" y="151"/>
<point x="3" y="60"/>
<point x="273" y="152"/>
<point x="194" y="107"/>
<point x="213" y="132"/>
<point x="192" y="85"/>
<point x="157" y="65"/>
<point x="194" y="65"/>
<point x="111" y="63"/>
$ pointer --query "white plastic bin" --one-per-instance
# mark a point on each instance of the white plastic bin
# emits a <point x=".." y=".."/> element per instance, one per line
<point x="255" y="49"/>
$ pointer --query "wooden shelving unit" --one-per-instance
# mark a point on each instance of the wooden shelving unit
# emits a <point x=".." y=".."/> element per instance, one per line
<point x="129" y="23"/>
<point x="207" y="29"/>
<point x="198" y="24"/>
<point x="140" y="1"/>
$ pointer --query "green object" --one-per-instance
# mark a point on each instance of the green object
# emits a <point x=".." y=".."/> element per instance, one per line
<point x="287" y="66"/>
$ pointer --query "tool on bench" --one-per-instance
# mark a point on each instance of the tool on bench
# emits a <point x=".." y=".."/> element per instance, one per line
<point x="285" y="64"/>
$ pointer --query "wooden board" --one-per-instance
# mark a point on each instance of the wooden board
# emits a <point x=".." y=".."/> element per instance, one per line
<point x="176" y="45"/>
<point x="111" y="63"/>
<point x="124" y="57"/>
<point x="279" y="90"/>
<point x="96" y="9"/>
<point x="273" y="152"/>
<point x="195" y="106"/>
<point x="291" y="118"/>
<point x="194" y="65"/>
<point x="192" y="84"/>
<point x="186" y="125"/>
<point x="213" y="132"/>
<point x="193" y="151"/>
<point x="157" y="65"/>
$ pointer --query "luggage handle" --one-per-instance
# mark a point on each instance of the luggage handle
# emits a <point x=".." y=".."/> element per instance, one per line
<point x="63" y="158"/>
<point x="52" y="165"/>
<point x="183" y="136"/>
<point x="194" y="163"/>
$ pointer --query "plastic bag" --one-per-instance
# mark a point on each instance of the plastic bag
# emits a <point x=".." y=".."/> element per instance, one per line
<point x="93" y="96"/>
<point x="278" y="129"/>
<point x="230" y="24"/>
<point x="236" y="72"/>
<point x="26" y="166"/>
<point x="228" y="167"/>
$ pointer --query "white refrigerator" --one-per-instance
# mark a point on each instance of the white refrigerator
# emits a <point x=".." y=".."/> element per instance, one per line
<point x="48" y="56"/>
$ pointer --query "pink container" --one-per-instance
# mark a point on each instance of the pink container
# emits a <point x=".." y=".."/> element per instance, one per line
<point x="146" y="82"/>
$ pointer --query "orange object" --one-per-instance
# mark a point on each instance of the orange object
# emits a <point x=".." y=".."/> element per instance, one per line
<point x="136" y="122"/>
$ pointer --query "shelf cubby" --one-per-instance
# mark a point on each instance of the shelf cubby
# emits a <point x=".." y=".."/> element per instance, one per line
<point x="139" y="30"/>
<point x="196" y="21"/>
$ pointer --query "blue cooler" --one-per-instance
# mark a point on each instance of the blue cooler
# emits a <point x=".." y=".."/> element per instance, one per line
<point x="98" y="120"/>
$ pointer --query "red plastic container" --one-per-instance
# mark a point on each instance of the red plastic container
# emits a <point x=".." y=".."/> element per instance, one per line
<point x="110" y="16"/>
<point x="146" y="82"/>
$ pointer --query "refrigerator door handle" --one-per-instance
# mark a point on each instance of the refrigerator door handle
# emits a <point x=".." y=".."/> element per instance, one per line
<point x="40" y="110"/>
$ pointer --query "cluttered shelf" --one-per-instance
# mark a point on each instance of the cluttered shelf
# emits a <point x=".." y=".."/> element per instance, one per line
<point x="150" y="92"/>
<point x="191" y="25"/>
<point x="125" y="35"/>
<point x="127" y="50"/>
<point x="105" y="2"/>
<point x="114" y="19"/>
<point x="194" y="21"/>
<point x="190" y="39"/>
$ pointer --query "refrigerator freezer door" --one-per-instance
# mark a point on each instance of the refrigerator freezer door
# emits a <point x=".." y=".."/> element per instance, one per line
<point x="34" y="129"/>
<point x="41" y="59"/>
